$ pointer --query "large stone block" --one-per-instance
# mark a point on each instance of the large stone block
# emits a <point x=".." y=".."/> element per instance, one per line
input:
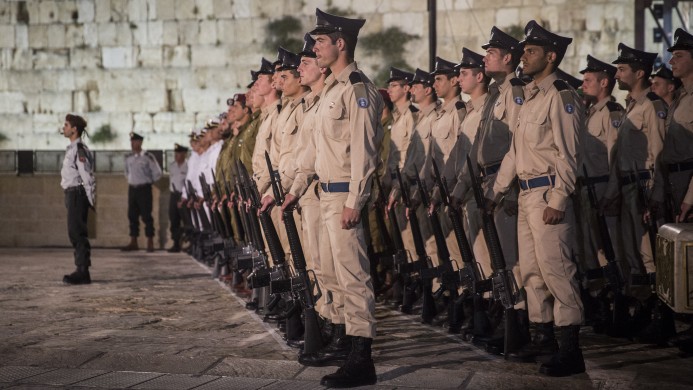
<point x="226" y="33"/>
<point x="48" y="12"/>
<point x="186" y="9"/>
<point x="21" y="36"/>
<point x="85" y="58"/>
<point x="209" y="56"/>
<point x="56" y="36"/>
<point x="196" y="100"/>
<point x="155" y="32"/>
<point x="11" y="102"/>
<point x="86" y="11"/>
<point x="506" y="17"/>
<point x="102" y="11"/>
<point x="22" y="59"/>
<point x="91" y="34"/>
<point x="149" y="57"/>
<point x="169" y="34"/>
<point x="118" y="57"/>
<point x="123" y="34"/>
<point x="80" y="101"/>
<point x="223" y="9"/>
<point x="7" y="37"/>
<point x="38" y="36"/>
<point x="57" y="80"/>
<point x="55" y="102"/>
<point x="47" y="123"/>
<point x="119" y="10"/>
<point x="137" y="10"/>
<point x="250" y="31"/>
<point x="67" y="11"/>
<point x="183" y="123"/>
<point x="205" y="9"/>
<point x="51" y="59"/>
<point x="107" y="34"/>
<point x="154" y="99"/>
<point x="188" y="32"/>
<point x="32" y="103"/>
<point x="177" y="56"/>
<point x="165" y="9"/>
<point x="74" y="35"/>
<point x="412" y="23"/>
<point x="143" y="123"/>
<point x="244" y="9"/>
<point x="208" y="32"/>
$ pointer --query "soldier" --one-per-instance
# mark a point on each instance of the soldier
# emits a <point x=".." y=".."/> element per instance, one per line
<point x="79" y="185"/>
<point x="677" y="154"/>
<point x="265" y="87"/>
<point x="177" y="172"/>
<point x="348" y="134"/>
<point x="543" y="156"/>
<point x="141" y="170"/>
<point x="638" y="148"/>
<point x="664" y="84"/>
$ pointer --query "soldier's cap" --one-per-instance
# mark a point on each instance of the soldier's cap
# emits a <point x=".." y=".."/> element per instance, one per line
<point x="211" y="123"/>
<point x="594" y="65"/>
<point x="666" y="73"/>
<point x="400" y="75"/>
<point x="327" y="23"/>
<point x="422" y="77"/>
<point x="683" y="40"/>
<point x="179" y="148"/>
<point x="538" y="35"/>
<point x="266" y="67"/>
<point x="253" y="78"/>
<point x="290" y="61"/>
<point x="238" y="97"/>
<point x="385" y="95"/>
<point x="135" y="137"/>
<point x="568" y="78"/>
<point x="308" y="44"/>
<point x="501" y="40"/>
<point x="280" y="56"/>
<point x="470" y="60"/>
<point x="222" y="116"/>
<point x="628" y="55"/>
<point x="444" y="67"/>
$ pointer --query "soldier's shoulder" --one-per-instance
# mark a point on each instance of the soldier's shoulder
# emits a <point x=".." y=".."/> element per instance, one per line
<point x="517" y="82"/>
<point x="653" y="97"/>
<point x="659" y="105"/>
<point x="460" y="105"/>
<point x="561" y="85"/>
<point x="613" y="106"/>
<point x="413" y="108"/>
<point x="356" y="77"/>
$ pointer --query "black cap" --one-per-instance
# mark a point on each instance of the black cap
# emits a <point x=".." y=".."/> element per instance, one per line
<point x="308" y="43"/>
<point x="253" y="79"/>
<point x="422" y="77"/>
<point x="179" y="148"/>
<point x="537" y="35"/>
<point x="683" y="40"/>
<point x="627" y="55"/>
<point x="266" y="67"/>
<point x="326" y="24"/>
<point x="568" y="78"/>
<point x="470" y="60"/>
<point x="290" y="61"/>
<point x="501" y="40"/>
<point x="594" y="65"/>
<point x="280" y="56"/>
<point x="666" y="73"/>
<point x="399" y="74"/>
<point x="135" y="137"/>
<point x="444" y="67"/>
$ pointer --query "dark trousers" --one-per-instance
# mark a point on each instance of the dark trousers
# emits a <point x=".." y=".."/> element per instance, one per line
<point x="140" y="205"/>
<point x="174" y="216"/>
<point x="77" y="206"/>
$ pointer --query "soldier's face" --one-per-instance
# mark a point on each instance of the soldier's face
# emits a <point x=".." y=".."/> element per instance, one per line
<point x="534" y="60"/>
<point x="309" y="71"/>
<point x="277" y="81"/>
<point x="625" y="76"/>
<point x="68" y="130"/>
<point x="682" y="63"/>
<point x="291" y="84"/>
<point x="136" y="144"/>
<point x="443" y="85"/>
<point x="467" y="80"/>
<point x="590" y="84"/>
<point x="325" y="51"/>
<point x="418" y="93"/>
<point x="238" y="111"/>
<point x="397" y="91"/>
<point x="662" y="87"/>
<point x="263" y="85"/>
<point x="494" y="61"/>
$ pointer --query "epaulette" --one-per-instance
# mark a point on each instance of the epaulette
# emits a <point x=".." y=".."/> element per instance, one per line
<point x="461" y="110"/>
<point x="616" y="113"/>
<point x="82" y="153"/>
<point x="614" y="106"/>
<point x="413" y="108"/>
<point x="659" y="105"/>
<point x="568" y="95"/>
<point x="355" y="77"/>
<point x="518" y="88"/>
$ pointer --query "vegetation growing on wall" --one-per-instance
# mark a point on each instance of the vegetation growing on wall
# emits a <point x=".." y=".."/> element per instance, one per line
<point x="286" y="32"/>
<point x="389" y="44"/>
<point x="102" y="135"/>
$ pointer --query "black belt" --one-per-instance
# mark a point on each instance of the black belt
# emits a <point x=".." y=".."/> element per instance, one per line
<point x="74" y="188"/>
<point x="680" y="167"/>
<point x="594" y="179"/>
<point x="140" y="185"/>
<point x="541" y="181"/>
<point x="335" y="187"/>
<point x="490" y="169"/>
<point x="630" y="178"/>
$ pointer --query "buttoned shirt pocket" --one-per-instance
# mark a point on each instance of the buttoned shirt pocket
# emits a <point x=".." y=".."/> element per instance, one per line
<point x="536" y="124"/>
<point x="442" y="128"/>
<point x="337" y="125"/>
<point x="499" y="111"/>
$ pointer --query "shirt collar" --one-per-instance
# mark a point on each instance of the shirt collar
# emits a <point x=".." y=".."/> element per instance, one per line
<point x="475" y="104"/>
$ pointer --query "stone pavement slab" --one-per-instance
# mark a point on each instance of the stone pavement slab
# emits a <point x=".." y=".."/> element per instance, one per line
<point x="159" y="321"/>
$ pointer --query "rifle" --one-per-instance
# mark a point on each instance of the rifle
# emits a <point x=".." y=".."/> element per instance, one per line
<point x="302" y="284"/>
<point x="423" y="261"/>
<point x="217" y="223"/>
<point x="503" y="282"/>
<point x="446" y="272"/>
<point x="611" y="271"/>
<point x="257" y="260"/>
<point x="242" y="227"/>
<point x="225" y="216"/>
<point x="644" y="201"/>
<point x="197" y="215"/>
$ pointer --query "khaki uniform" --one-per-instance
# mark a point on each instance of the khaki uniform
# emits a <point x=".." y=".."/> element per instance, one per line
<point x="348" y="135"/>
<point x="677" y="155"/>
<point x="596" y="146"/>
<point x="545" y="144"/>
<point x="263" y="144"/>
<point x="244" y="146"/>
<point x="377" y="239"/>
<point x="639" y="145"/>
<point x="223" y="174"/>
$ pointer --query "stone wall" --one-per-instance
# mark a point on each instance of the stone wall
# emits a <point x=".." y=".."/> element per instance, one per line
<point x="33" y="213"/>
<point x="159" y="67"/>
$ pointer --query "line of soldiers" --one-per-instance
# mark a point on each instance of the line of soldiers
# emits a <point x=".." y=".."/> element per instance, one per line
<point x="521" y="211"/>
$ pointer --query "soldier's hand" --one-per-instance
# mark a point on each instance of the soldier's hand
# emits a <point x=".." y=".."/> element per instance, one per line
<point x="553" y="216"/>
<point x="432" y="207"/>
<point x="510" y="207"/>
<point x="391" y="202"/>
<point x="685" y="211"/>
<point x="489" y="206"/>
<point x="288" y="201"/>
<point x="267" y="202"/>
<point x="350" y="218"/>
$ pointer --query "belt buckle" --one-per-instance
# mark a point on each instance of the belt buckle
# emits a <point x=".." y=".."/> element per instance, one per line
<point x="327" y="187"/>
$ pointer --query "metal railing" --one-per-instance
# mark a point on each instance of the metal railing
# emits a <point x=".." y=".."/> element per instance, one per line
<point x="27" y="162"/>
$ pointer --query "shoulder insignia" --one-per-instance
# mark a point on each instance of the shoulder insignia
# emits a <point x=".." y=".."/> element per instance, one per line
<point x="460" y="105"/>
<point x="568" y="96"/>
<point x="659" y="105"/>
<point x="355" y="77"/>
<point x="81" y="152"/>
<point x="518" y="88"/>
<point x="413" y="108"/>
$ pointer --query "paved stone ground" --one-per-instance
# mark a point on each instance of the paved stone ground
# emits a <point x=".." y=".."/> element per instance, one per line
<point x="158" y="321"/>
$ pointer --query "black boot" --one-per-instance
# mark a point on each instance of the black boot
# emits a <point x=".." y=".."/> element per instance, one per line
<point x="80" y="276"/>
<point x="543" y="344"/>
<point x="335" y="352"/>
<point x="568" y="360"/>
<point x="358" y="370"/>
